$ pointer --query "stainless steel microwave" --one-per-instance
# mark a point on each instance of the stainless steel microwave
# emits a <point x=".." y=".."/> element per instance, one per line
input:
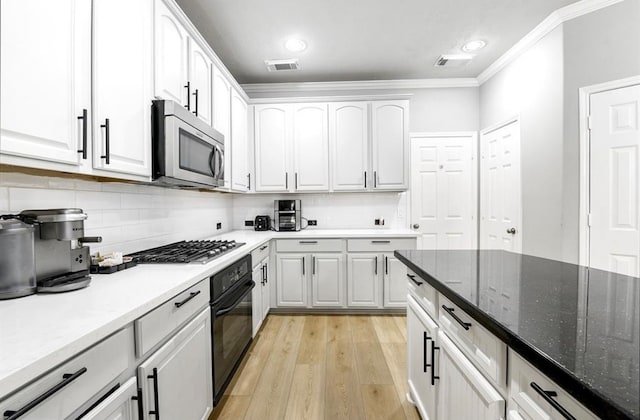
<point x="186" y="152"/>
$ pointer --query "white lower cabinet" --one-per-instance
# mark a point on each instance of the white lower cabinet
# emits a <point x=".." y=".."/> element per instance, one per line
<point x="260" y="294"/>
<point x="363" y="280"/>
<point x="291" y="280"/>
<point x="176" y="380"/>
<point x="122" y="404"/>
<point x="395" y="282"/>
<point x="327" y="279"/>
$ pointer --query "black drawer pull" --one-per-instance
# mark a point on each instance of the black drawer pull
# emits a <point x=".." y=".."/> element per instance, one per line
<point x="380" y="242"/>
<point x="67" y="378"/>
<point x="547" y="395"/>
<point x="83" y="117"/>
<point x="413" y="279"/>
<point x="99" y="401"/>
<point x="156" y="400"/>
<point x="307" y="242"/>
<point x="187" y="299"/>
<point x="465" y="325"/>
<point x="107" y="153"/>
<point x="138" y="399"/>
<point x="433" y="363"/>
<point x="262" y="248"/>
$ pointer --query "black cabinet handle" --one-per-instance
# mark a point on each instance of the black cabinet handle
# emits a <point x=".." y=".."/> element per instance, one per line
<point x="67" y="378"/>
<point x="313" y="265"/>
<point x="380" y="242"/>
<point x="248" y="181"/>
<point x="413" y="279"/>
<point x="425" y="344"/>
<point x="262" y="248"/>
<point x="386" y="265"/>
<point x="307" y="242"/>
<point x="156" y="400"/>
<point x="83" y="117"/>
<point x="195" y="93"/>
<point x="99" y="401"/>
<point x="547" y="396"/>
<point x="433" y="362"/>
<point x="465" y="325"/>
<point x="286" y="180"/>
<point x="266" y="273"/>
<point x="296" y="178"/>
<point x="375" y="179"/>
<point x="138" y="399"/>
<point x="188" y="105"/>
<point x="303" y="266"/>
<point x="376" y="266"/>
<point x="365" y="179"/>
<point x="106" y="141"/>
<point x="187" y="299"/>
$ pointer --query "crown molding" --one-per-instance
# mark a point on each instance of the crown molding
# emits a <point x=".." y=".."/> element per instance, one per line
<point x="293" y="87"/>
<point x="333" y="98"/>
<point x="552" y="21"/>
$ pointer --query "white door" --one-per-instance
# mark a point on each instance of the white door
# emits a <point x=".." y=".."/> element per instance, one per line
<point x="363" y="280"/>
<point x="239" y="139"/>
<point x="327" y="279"/>
<point x="256" y="297"/>
<point x="171" y="56"/>
<point x="615" y="181"/>
<point x="349" y="145"/>
<point x="266" y="289"/>
<point x="121" y="405"/>
<point x="45" y="63"/>
<point x="122" y="96"/>
<point x="421" y="335"/>
<point x="180" y="373"/>
<point x="272" y="140"/>
<point x="389" y="142"/>
<point x="291" y="283"/>
<point x="311" y="147"/>
<point x="395" y="282"/>
<point x="222" y="117"/>
<point x="500" y="189"/>
<point x="443" y="191"/>
<point x="200" y="77"/>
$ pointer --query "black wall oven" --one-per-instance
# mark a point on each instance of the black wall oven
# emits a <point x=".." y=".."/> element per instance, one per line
<point x="231" y="322"/>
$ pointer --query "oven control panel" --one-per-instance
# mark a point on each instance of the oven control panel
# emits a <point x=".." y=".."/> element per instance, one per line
<point x="227" y="278"/>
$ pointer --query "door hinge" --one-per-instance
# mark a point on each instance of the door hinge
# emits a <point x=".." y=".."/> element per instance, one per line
<point x="589" y="122"/>
<point x="589" y="219"/>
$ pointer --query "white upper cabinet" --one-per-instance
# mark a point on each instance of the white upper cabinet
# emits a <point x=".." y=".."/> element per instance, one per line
<point x="311" y="147"/>
<point x="239" y="139"/>
<point x="222" y="117"/>
<point x="122" y="85"/>
<point x="349" y="143"/>
<point x="272" y="140"/>
<point x="200" y="79"/>
<point x="171" y="56"/>
<point x="45" y="62"/>
<point x="390" y="133"/>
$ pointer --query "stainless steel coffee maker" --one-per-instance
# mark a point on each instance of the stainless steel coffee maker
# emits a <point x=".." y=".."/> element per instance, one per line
<point x="62" y="260"/>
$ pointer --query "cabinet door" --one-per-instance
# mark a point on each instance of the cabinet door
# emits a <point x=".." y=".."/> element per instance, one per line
<point x="239" y="150"/>
<point x="464" y="393"/>
<point x="311" y="147"/>
<point x="200" y="77"/>
<point x="349" y="145"/>
<point x="291" y="280"/>
<point x="45" y="63"/>
<point x="122" y="85"/>
<point x="122" y="404"/>
<point x="395" y="282"/>
<point x="171" y="55"/>
<point x="266" y="290"/>
<point x="180" y="374"/>
<point x="327" y="279"/>
<point x="363" y="280"/>
<point x="390" y="133"/>
<point x="272" y="140"/>
<point x="222" y="117"/>
<point x="256" y="298"/>
<point x="421" y="335"/>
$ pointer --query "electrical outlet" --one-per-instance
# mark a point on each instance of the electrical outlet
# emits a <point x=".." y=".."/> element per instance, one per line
<point x="248" y="222"/>
<point x="313" y="223"/>
<point x="376" y="222"/>
<point x="218" y="226"/>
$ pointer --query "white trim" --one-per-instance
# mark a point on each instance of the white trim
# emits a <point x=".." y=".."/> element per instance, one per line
<point x="498" y="125"/>
<point x="585" y="111"/>
<point x="556" y="18"/>
<point x="440" y="134"/>
<point x="291" y="100"/>
<point x="359" y="85"/>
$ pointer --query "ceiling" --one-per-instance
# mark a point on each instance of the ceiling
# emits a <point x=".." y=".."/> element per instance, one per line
<point x="361" y="39"/>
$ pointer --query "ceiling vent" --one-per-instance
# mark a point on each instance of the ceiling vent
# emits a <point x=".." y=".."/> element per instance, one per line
<point x="282" y="65"/>
<point x="453" y="60"/>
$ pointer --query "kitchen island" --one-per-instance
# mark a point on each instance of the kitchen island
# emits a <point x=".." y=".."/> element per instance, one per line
<point x="575" y="325"/>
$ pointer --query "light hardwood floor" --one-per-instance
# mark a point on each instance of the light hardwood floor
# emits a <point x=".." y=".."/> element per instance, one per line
<point x="307" y="367"/>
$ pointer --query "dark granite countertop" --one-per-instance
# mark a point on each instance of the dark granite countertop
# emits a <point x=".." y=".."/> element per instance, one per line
<point x="577" y="325"/>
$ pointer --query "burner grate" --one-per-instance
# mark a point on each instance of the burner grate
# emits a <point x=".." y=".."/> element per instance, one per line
<point x="185" y="252"/>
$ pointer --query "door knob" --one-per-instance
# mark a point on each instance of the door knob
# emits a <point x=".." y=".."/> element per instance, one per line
<point x="512" y="231"/>
<point x="416" y="226"/>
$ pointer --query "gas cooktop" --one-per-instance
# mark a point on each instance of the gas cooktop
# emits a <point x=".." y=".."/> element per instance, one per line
<point x="185" y="252"/>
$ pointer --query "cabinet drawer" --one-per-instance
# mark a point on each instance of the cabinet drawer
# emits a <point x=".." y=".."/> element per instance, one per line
<point x="76" y="381"/>
<point x="526" y="402"/>
<point x="425" y="294"/>
<point x="484" y="349"/>
<point x="380" y="244"/>
<point x="153" y="327"/>
<point x="309" y="245"/>
<point x="259" y="254"/>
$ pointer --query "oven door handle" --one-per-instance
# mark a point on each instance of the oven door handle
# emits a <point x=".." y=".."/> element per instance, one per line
<point x="229" y="308"/>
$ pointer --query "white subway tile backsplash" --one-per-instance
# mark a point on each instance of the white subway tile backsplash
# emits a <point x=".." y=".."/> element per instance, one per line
<point x="40" y="198"/>
<point x="90" y="200"/>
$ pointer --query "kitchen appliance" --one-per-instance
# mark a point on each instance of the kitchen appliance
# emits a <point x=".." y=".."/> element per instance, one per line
<point x="186" y="152"/>
<point x="231" y="325"/>
<point x="17" y="259"/>
<point x="62" y="260"/>
<point x="262" y="223"/>
<point x="185" y="252"/>
<point x="287" y="215"/>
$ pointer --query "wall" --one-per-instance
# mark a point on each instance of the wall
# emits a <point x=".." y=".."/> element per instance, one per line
<point x="128" y="217"/>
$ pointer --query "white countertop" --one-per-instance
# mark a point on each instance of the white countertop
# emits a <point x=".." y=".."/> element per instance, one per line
<point x="39" y="332"/>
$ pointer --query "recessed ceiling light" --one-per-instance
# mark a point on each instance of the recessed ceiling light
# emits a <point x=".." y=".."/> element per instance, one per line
<point x="295" y="45"/>
<point x="475" y="45"/>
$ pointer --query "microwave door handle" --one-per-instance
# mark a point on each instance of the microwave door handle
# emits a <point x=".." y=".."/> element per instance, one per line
<point x="221" y="173"/>
<point x="212" y="159"/>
